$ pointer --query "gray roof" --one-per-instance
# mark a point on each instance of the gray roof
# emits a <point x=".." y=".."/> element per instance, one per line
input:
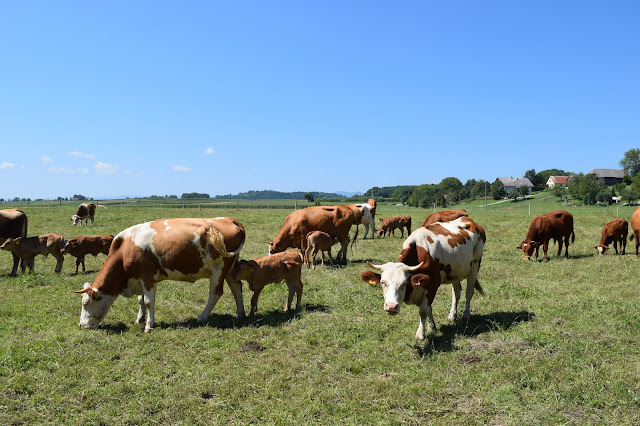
<point x="516" y="182"/>
<point x="607" y="173"/>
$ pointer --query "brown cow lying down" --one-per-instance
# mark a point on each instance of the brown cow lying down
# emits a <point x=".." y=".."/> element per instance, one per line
<point x="184" y="249"/>
<point x="444" y="216"/>
<point x="83" y="245"/>
<point x="390" y="224"/>
<point x="28" y="248"/>
<point x="274" y="268"/>
<point x="556" y="225"/>
<point x="318" y="241"/>
<point x="614" y="232"/>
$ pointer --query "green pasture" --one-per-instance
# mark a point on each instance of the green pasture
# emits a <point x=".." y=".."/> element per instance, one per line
<point x="549" y="343"/>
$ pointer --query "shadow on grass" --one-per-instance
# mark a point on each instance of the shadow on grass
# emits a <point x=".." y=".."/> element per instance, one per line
<point x="474" y="326"/>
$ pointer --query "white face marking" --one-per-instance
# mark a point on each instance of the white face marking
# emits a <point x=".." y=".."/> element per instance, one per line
<point x="93" y="311"/>
<point x="394" y="278"/>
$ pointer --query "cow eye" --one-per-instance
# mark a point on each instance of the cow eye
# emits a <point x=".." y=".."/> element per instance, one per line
<point x="383" y="283"/>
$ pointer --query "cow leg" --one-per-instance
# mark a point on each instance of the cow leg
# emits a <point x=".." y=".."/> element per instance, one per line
<point x="330" y="257"/>
<point x="342" y="254"/>
<point x="425" y="315"/>
<point x="16" y="261"/>
<point x="615" y="245"/>
<point x="30" y="264"/>
<point x="292" y="291"/>
<point x="236" y="290"/>
<point x="566" y="246"/>
<point x="623" y="244"/>
<point x="471" y="282"/>
<point x="545" y="247"/>
<point x="637" y="238"/>
<point x="254" y="299"/>
<point x="78" y="261"/>
<point x="322" y="254"/>
<point x="455" y="297"/>
<point x="297" y="284"/>
<point x="215" y="291"/>
<point x="306" y="256"/>
<point x="366" y="231"/>
<point x="149" y="297"/>
<point x="142" y="311"/>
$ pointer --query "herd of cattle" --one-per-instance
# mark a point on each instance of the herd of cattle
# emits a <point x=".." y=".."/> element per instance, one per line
<point x="447" y="249"/>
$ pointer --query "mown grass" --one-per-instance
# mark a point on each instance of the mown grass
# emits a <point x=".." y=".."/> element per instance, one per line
<point x="552" y="342"/>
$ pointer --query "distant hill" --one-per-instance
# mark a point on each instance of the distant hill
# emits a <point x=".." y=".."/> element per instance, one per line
<point x="276" y="195"/>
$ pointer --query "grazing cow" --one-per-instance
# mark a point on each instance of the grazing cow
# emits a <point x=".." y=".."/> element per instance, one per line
<point x="83" y="245"/>
<point x="441" y="253"/>
<point x="318" y="241"/>
<point x="336" y="220"/>
<point x="635" y="227"/>
<point x="614" y="232"/>
<point x="28" y="248"/>
<point x="184" y="249"/>
<point x="390" y="224"/>
<point x="261" y="271"/>
<point x="555" y="225"/>
<point x="85" y="212"/>
<point x="13" y="224"/>
<point x="444" y="216"/>
<point x="366" y="215"/>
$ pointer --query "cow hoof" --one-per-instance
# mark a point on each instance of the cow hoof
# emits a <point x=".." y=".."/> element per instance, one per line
<point x="452" y="318"/>
<point x="420" y="337"/>
<point x="148" y="329"/>
<point x="201" y="319"/>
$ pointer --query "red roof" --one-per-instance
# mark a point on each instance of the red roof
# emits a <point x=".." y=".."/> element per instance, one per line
<point x="560" y="179"/>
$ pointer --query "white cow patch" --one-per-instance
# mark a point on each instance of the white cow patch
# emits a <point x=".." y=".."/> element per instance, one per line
<point x="166" y="223"/>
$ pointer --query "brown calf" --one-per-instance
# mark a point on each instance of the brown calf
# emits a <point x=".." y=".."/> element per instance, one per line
<point x="556" y="225"/>
<point x="83" y="245"/>
<point x="390" y="224"/>
<point x="614" y="232"/>
<point x="261" y="271"/>
<point x="318" y="241"/>
<point x="28" y="248"/>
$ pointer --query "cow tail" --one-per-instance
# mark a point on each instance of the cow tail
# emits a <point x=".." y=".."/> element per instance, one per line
<point x="478" y="287"/>
<point x="573" y="236"/>
<point x="216" y="239"/>
<point x="25" y="227"/>
<point x="100" y="205"/>
<point x="355" y="238"/>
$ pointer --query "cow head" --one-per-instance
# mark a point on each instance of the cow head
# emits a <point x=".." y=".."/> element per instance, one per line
<point x="275" y="247"/>
<point x="95" y="306"/>
<point x="75" y="219"/>
<point x="602" y="249"/>
<point x="243" y="270"/>
<point x="68" y="245"/>
<point x="394" y="278"/>
<point x="10" y="243"/>
<point x="528" y="247"/>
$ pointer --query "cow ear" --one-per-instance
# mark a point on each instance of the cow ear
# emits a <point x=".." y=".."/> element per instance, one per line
<point x="535" y="244"/>
<point x="519" y="247"/>
<point x="420" y="280"/>
<point x="370" y="277"/>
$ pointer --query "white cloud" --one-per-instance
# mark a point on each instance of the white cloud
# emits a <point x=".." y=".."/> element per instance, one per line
<point x="181" y="169"/>
<point x="106" y="168"/>
<point x="46" y="160"/>
<point x="80" y="154"/>
<point x="7" y="165"/>
<point x="209" y="151"/>
<point x="61" y="170"/>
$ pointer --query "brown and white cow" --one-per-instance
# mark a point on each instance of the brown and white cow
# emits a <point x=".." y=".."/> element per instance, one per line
<point x="441" y="253"/>
<point x="184" y="249"/>
<point x="366" y="215"/>
<point x="614" y="232"/>
<point x="635" y="228"/>
<point x="85" y="212"/>
<point x="83" y="245"/>
<point x="261" y="271"/>
<point x="389" y="225"/>
<point x="13" y="224"/>
<point x="556" y="225"/>
<point x="28" y="248"/>
<point x="318" y="241"/>
<point x="444" y="216"/>
<point x="336" y="220"/>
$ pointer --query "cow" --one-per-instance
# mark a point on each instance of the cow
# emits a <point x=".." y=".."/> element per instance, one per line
<point x="555" y="225"/>
<point x="390" y="224"/>
<point x="444" y="216"/>
<point x="85" y="212"/>
<point x="336" y="220"/>
<point x="614" y="232"/>
<point x="274" y="268"/>
<point x="635" y="227"/>
<point x="13" y="224"/>
<point x="440" y="253"/>
<point x="83" y="245"/>
<point x="366" y="215"/>
<point x="184" y="249"/>
<point x="27" y="248"/>
<point x="318" y="241"/>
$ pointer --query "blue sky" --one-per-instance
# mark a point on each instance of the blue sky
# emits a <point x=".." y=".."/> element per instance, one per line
<point x="164" y="97"/>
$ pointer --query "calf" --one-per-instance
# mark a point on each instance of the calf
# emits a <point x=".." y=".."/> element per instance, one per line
<point x="28" y="248"/>
<point x="635" y="227"/>
<point x="13" y="224"/>
<point x="83" y="245"/>
<point x="319" y="241"/>
<point x="556" y="225"/>
<point x="390" y="224"/>
<point x="441" y="253"/>
<point x="274" y="268"/>
<point x="614" y="232"/>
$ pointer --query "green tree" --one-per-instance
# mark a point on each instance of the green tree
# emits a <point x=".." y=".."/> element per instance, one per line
<point x="497" y="190"/>
<point x="309" y="197"/>
<point x="630" y="163"/>
<point x="479" y="187"/>
<point x="534" y="178"/>
<point x="423" y="196"/>
<point x="451" y="187"/>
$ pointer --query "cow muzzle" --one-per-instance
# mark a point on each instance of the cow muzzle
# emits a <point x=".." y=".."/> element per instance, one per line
<point x="392" y="308"/>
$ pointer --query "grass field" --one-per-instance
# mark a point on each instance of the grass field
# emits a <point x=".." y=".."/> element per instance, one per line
<point x="554" y="342"/>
